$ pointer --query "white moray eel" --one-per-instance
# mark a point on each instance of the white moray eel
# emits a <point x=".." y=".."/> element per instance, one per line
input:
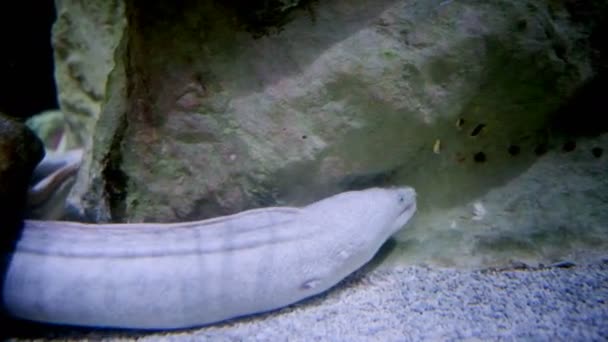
<point x="169" y="276"/>
<point x="52" y="178"/>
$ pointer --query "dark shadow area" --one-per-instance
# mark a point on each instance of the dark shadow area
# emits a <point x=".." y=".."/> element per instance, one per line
<point x="16" y="328"/>
<point x="27" y="83"/>
<point x="20" y="151"/>
<point x="265" y="17"/>
<point x="584" y="114"/>
<point x="10" y="233"/>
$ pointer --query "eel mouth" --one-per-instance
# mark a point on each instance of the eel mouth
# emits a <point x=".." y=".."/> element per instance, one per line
<point x="407" y="208"/>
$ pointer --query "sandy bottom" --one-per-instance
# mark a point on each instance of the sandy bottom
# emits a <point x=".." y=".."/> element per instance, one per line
<point x="562" y="302"/>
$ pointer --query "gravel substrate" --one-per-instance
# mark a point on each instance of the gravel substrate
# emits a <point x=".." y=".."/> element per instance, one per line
<point x="568" y="303"/>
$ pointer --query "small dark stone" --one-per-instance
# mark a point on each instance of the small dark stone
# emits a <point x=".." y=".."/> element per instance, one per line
<point x="518" y="265"/>
<point x="475" y="132"/>
<point x="459" y="122"/>
<point x="563" y="264"/>
<point x="304" y="137"/>
<point x="479" y="157"/>
<point x="540" y="149"/>
<point x="522" y="24"/>
<point x="597" y="152"/>
<point x="514" y="150"/>
<point x="560" y="50"/>
<point x="569" y="146"/>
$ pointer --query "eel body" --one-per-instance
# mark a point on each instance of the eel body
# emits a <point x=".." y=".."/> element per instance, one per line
<point x="52" y="181"/>
<point x="170" y="276"/>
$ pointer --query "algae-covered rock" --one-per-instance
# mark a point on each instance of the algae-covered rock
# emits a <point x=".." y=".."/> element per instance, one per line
<point x="84" y="38"/>
<point x="347" y="94"/>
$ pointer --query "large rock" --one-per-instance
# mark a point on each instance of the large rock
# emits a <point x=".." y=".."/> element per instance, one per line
<point x="85" y="35"/>
<point x="207" y="113"/>
<point x="217" y="121"/>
